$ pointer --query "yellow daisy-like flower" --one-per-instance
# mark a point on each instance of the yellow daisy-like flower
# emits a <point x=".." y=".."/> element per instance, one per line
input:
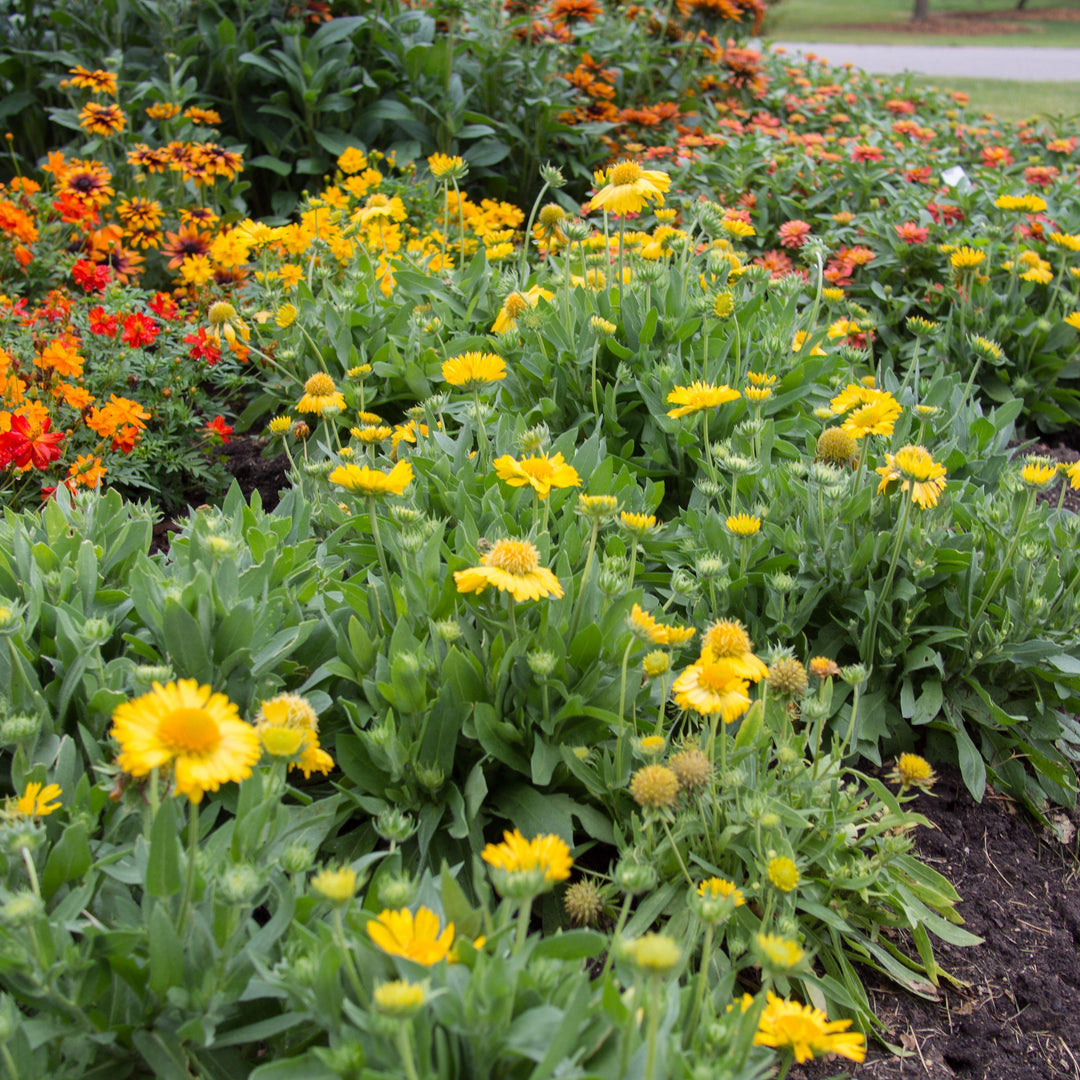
<point x="648" y="629"/>
<point x="279" y="425"/>
<point x="364" y="480"/>
<point x="757" y="394"/>
<point x="628" y="188"/>
<point x="913" y="771"/>
<point x="444" y="165"/>
<point x="399" y="998"/>
<point x="852" y="395"/>
<point x="37" y="800"/>
<point x="1073" y="320"/>
<point x="760" y="378"/>
<point x="337" y="886"/>
<point x="638" y="523"/>
<point x="512" y="566"/>
<point x="540" y="472"/>
<point x="727" y="639"/>
<point x="1032" y="204"/>
<point x="1071" y="241"/>
<point x="320" y="393"/>
<point x="1073" y="473"/>
<point x="473" y="369"/>
<point x="416" y="938"/>
<point x="1038" y="472"/>
<point x="806" y="1031"/>
<point x="918" y="471"/>
<point x="779" y="952"/>
<point x="712" y="686"/>
<point x="188" y="727"/>
<point x="744" y="524"/>
<point x="967" y="258"/>
<point x="279" y="719"/>
<point x="653" y="953"/>
<point x="544" y="860"/>
<point x="517" y="303"/>
<point x="783" y="873"/>
<point x="716" y="888"/>
<point x="877" y="417"/>
<point x="737" y="227"/>
<point x="698" y="396"/>
<point x="286" y="315"/>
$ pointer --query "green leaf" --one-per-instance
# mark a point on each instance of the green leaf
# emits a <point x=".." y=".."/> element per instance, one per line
<point x="163" y="867"/>
<point x="572" y="945"/>
<point x="69" y="859"/>
<point x="166" y="950"/>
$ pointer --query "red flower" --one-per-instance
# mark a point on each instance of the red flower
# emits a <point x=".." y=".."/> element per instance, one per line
<point x="911" y="233"/>
<point x="25" y="445"/>
<point x="865" y="152"/>
<point x="164" y="306"/>
<point x="125" y="439"/>
<point x="93" y="278"/>
<point x="921" y="175"/>
<point x="218" y="429"/>
<point x="139" y="331"/>
<point x="203" y="347"/>
<point x="102" y="324"/>
<point x="793" y="234"/>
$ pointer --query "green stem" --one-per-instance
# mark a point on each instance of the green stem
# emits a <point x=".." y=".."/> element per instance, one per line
<point x="620" y="926"/>
<point x="347" y="957"/>
<point x="189" y="870"/>
<point x="653" y="1026"/>
<point x="391" y="606"/>
<point x="1006" y="563"/>
<point x="678" y="856"/>
<point x="595" y="406"/>
<point x="483" y="440"/>
<point x="703" y="977"/>
<point x="523" y="262"/>
<point x="524" y="912"/>
<point x="901" y="532"/>
<point x="31" y="871"/>
<point x="403" y="1037"/>
<point x="9" y="1062"/>
<point x="622" y="706"/>
<point x="584" y="580"/>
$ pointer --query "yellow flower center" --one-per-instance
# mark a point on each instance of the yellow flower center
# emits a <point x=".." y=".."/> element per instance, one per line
<point x="714" y="676"/>
<point x="192" y="731"/>
<point x="517" y="557"/>
<point x="319" y="385"/>
<point x="220" y="313"/>
<point x="625" y="172"/>
<point x="515" y="305"/>
<point x="915" y="462"/>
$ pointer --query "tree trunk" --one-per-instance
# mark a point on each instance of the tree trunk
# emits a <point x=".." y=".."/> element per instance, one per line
<point x="922" y="10"/>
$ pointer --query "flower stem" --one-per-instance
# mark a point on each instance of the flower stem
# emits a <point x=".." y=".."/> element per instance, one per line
<point x="391" y="606"/>
<point x="524" y="911"/>
<point x="620" y="926"/>
<point x="653" y="1026"/>
<point x="622" y="706"/>
<point x="346" y="956"/>
<point x="1006" y="562"/>
<point x="189" y="870"/>
<point x="871" y="638"/>
<point x="404" y="1045"/>
<point x="703" y="977"/>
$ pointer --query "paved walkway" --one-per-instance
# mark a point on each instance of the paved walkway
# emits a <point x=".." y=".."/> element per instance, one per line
<point x="979" y="61"/>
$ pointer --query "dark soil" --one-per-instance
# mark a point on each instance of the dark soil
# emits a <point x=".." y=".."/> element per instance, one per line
<point x="1000" y="20"/>
<point x="252" y="471"/>
<point x="1016" y="1014"/>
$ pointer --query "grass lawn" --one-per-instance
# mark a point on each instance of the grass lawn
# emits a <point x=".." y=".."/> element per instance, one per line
<point x="1010" y="99"/>
<point x="817" y="20"/>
